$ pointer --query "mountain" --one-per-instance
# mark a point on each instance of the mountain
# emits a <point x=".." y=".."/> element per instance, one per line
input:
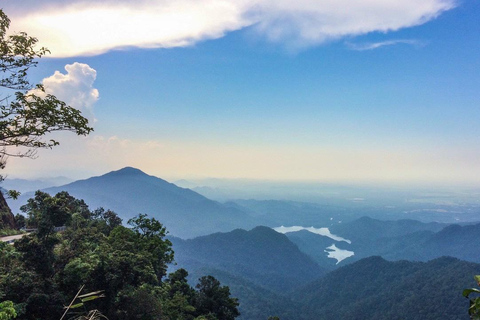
<point x="24" y="185"/>
<point x="291" y="213"/>
<point x="315" y="246"/>
<point x="454" y="240"/>
<point x="392" y="240"/>
<point x="130" y="191"/>
<point x="387" y="238"/>
<point x="374" y="288"/>
<point x="367" y="228"/>
<point x="410" y="239"/>
<point x="261" y="256"/>
<point x="363" y="237"/>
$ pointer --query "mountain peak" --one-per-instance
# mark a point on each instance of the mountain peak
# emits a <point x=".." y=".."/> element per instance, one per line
<point x="127" y="171"/>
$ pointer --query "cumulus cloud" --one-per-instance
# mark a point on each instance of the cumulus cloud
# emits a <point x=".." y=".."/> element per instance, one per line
<point x="75" y="87"/>
<point x="376" y="45"/>
<point x="81" y="27"/>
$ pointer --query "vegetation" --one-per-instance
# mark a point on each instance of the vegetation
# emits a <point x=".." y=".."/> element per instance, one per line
<point x="43" y="271"/>
<point x="474" y="309"/>
<point x="7" y="311"/>
<point x="9" y="232"/>
<point x="273" y="262"/>
<point x="27" y="115"/>
<point x="374" y="288"/>
<point x="27" y="112"/>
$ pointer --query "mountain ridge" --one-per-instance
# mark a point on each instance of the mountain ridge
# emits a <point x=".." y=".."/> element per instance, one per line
<point x="130" y="191"/>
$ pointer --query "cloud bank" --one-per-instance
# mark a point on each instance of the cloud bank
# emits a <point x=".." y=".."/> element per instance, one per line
<point x="75" y="88"/>
<point x="81" y="27"/>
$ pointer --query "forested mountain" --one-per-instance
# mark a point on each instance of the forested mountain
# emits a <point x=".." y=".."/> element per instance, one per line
<point x="314" y="246"/>
<point x="261" y="256"/>
<point x="393" y="240"/>
<point x="272" y="273"/>
<point x="454" y="240"/>
<point x="374" y="288"/>
<point x="130" y="191"/>
<point x="265" y="270"/>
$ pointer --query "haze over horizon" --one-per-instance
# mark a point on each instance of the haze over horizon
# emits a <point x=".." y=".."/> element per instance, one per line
<point x="380" y="91"/>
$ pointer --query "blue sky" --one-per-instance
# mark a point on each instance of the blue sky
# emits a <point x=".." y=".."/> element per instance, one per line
<point x="385" y="91"/>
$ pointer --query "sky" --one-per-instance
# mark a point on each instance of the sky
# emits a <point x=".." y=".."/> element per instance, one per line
<point x="326" y="90"/>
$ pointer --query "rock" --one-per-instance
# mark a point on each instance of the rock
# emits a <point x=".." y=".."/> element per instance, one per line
<point x="7" y="220"/>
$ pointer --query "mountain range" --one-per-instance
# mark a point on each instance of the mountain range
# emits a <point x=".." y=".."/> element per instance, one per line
<point x="261" y="255"/>
<point x="129" y="191"/>
<point x="374" y="288"/>
<point x="293" y="275"/>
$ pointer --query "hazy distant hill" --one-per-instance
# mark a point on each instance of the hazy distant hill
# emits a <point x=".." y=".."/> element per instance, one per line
<point x="374" y="288"/>
<point x="410" y="239"/>
<point x="454" y="240"/>
<point x="24" y="185"/>
<point x="393" y="240"/>
<point x="261" y="255"/>
<point x="387" y="238"/>
<point x="371" y="229"/>
<point x="288" y="213"/>
<point x="130" y="191"/>
<point x="368" y="237"/>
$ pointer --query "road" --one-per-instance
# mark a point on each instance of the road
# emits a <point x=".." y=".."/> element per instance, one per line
<point x="11" y="239"/>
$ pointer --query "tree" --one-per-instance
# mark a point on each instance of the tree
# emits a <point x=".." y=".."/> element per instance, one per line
<point x="27" y="115"/>
<point x="214" y="299"/>
<point x="151" y="234"/>
<point x="20" y="221"/>
<point x="7" y="311"/>
<point x="46" y="212"/>
<point x="42" y="271"/>
<point x="474" y="309"/>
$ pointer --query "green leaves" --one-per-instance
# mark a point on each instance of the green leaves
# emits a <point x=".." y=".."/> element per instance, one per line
<point x="27" y="115"/>
<point x="87" y="297"/>
<point x="474" y="309"/>
<point x="45" y="268"/>
<point x="7" y="311"/>
<point x="467" y="292"/>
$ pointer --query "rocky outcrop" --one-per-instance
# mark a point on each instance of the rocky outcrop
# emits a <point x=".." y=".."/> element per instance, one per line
<point x="7" y="220"/>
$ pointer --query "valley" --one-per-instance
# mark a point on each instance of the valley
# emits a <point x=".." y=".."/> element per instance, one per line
<point x="271" y="252"/>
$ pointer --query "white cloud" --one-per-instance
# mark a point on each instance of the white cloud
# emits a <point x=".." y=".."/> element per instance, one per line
<point x="376" y="45"/>
<point x="75" y="88"/>
<point x="90" y="27"/>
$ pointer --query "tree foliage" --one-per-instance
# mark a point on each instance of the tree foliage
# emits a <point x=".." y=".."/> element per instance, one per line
<point x="7" y="311"/>
<point x="474" y="309"/>
<point x="215" y="299"/>
<point x="27" y="115"/>
<point x="45" y="269"/>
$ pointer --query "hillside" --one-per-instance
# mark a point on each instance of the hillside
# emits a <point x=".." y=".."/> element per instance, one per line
<point x="454" y="240"/>
<point x="392" y="240"/>
<point x="7" y="219"/>
<point x="261" y="256"/>
<point x="129" y="191"/>
<point x="256" y="302"/>
<point x="374" y="288"/>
